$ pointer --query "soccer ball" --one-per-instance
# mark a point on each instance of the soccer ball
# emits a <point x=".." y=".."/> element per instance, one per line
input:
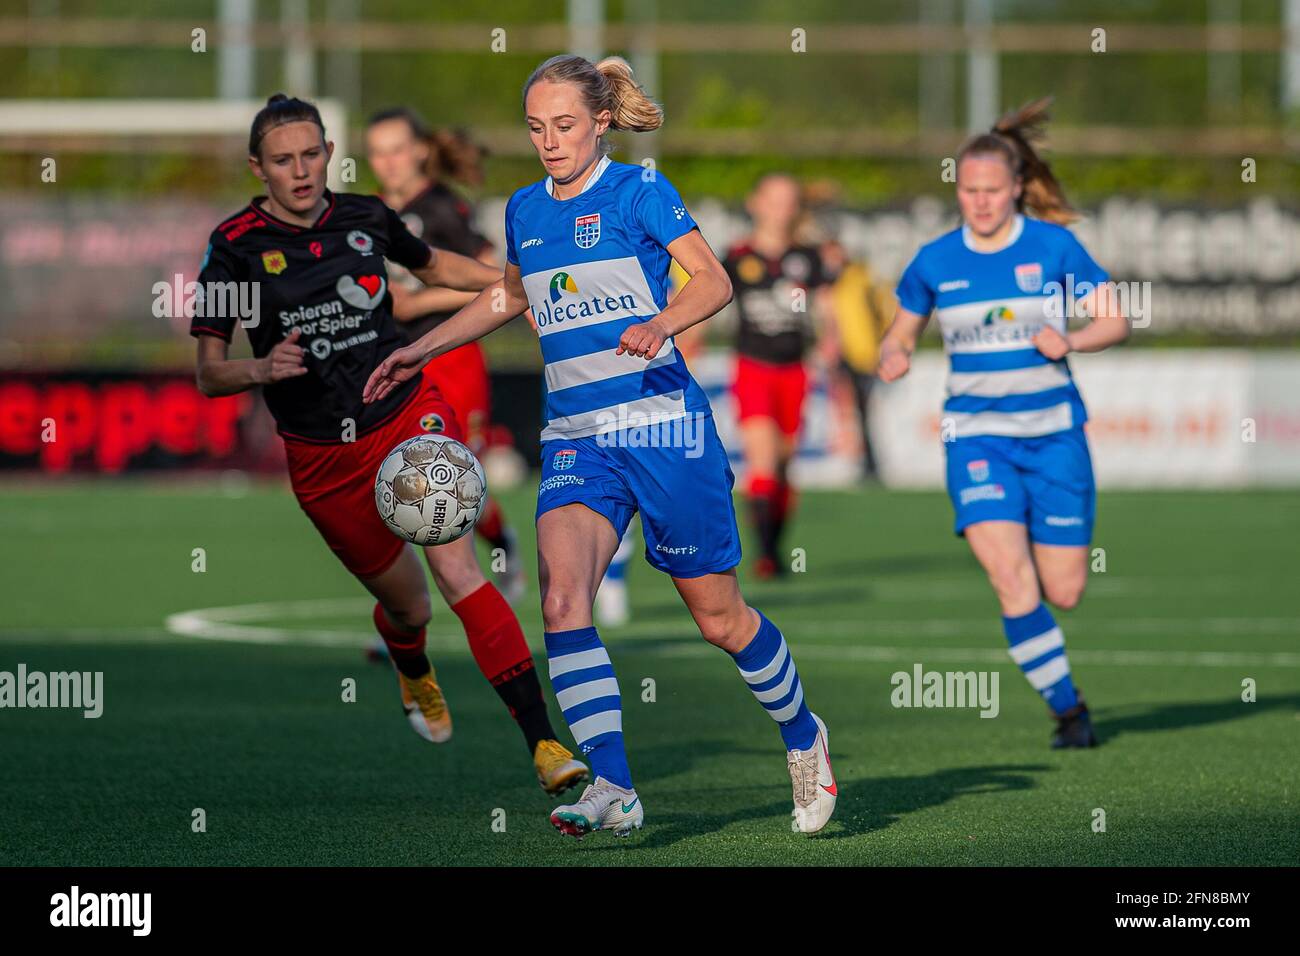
<point x="430" y="490"/>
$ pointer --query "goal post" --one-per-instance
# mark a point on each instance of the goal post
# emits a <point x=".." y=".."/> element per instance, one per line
<point x="52" y="119"/>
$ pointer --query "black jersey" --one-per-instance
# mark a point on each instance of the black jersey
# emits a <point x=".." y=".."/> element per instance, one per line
<point x="442" y="219"/>
<point x="329" y="282"/>
<point x="771" y="328"/>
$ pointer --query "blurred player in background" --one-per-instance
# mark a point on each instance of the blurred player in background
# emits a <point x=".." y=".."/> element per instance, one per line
<point x="413" y="164"/>
<point x="324" y="325"/>
<point x="588" y="249"/>
<point x="775" y="281"/>
<point x="861" y="308"/>
<point x="1019" y="471"/>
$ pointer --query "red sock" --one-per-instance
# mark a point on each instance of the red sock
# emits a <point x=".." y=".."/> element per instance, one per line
<point x="502" y="654"/>
<point x="406" y="648"/>
<point x="491" y="524"/>
<point x="762" y="508"/>
<point x="783" y="499"/>
<point x="763" y="487"/>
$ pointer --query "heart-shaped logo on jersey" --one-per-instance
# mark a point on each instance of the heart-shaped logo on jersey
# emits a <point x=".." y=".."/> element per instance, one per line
<point x="363" y="292"/>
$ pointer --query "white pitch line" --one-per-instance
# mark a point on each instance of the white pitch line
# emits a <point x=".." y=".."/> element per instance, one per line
<point x="975" y="655"/>
<point x="241" y="623"/>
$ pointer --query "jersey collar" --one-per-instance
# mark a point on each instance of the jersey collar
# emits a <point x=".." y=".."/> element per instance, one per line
<point x="591" y="180"/>
<point x="1017" y="227"/>
<point x="261" y="211"/>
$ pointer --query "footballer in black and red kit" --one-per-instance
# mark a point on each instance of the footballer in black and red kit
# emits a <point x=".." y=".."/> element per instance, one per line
<point x="312" y="262"/>
<point x="413" y="164"/>
<point x="774" y="280"/>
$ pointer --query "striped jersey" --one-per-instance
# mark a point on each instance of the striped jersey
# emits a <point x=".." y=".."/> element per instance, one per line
<point x="990" y="305"/>
<point x="592" y="265"/>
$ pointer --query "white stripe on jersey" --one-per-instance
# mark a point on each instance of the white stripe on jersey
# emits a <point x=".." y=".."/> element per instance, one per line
<point x="963" y="329"/>
<point x="1044" y="421"/>
<point x="654" y="409"/>
<point x="1018" y="381"/>
<point x="598" y="366"/>
<point x="607" y="289"/>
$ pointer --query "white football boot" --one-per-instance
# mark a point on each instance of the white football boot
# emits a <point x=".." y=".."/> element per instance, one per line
<point x="814" y="783"/>
<point x="603" y="806"/>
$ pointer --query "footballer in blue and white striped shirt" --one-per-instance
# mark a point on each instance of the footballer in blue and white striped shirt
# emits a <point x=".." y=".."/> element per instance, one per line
<point x="627" y="429"/>
<point x="1019" y="471"/>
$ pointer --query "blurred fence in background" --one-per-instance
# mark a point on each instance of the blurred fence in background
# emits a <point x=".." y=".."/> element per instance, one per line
<point x="1175" y="129"/>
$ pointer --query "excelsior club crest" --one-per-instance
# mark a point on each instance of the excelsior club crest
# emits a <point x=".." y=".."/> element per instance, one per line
<point x="586" y="230"/>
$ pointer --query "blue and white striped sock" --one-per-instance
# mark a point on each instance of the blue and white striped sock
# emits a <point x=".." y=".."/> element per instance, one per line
<point x="587" y="692"/>
<point x="768" y="668"/>
<point x="1038" y="646"/>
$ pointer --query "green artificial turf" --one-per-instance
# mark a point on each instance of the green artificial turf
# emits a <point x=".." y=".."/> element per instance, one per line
<point x="1198" y="595"/>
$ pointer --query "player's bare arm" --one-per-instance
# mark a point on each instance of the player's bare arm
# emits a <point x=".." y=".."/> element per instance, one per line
<point x="218" y="374"/>
<point x="492" y="308"/>
<point x="409" y="305"/>
<point x="454" y="271"/>
<point x="899" y="343"/>
<point x="708" y="290"/>
<point x="1109" y="326"/>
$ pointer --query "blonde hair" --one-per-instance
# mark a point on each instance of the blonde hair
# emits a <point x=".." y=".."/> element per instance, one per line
<point x="607" y="85"/>
<point x="1015" y="137"/>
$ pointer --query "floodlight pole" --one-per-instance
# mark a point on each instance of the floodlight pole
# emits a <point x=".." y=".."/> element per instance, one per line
<point x="982" y="93"/>
<point x="1291" y="59"/>
<point x="587" y="28"/>
<point x="935" y="108"/>
<point x="235" y="63"/>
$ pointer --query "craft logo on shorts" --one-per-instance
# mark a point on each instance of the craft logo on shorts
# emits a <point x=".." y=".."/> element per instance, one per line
<point x="273" y="261"/>
<point x="432" y="422"/>
<point x="564" y="459"/>
<point x="361" y="242"/>
<point x="586" y="230"/>
<point x="978" y="470"/>
<point x="1029" y="276"/>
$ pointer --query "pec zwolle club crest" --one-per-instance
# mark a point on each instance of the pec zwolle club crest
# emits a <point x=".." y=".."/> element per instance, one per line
<point x="564" y="459"/>
<point x="1029" y="276"/>
<point x="978" y="470"/>
<point x="586" y="230"/>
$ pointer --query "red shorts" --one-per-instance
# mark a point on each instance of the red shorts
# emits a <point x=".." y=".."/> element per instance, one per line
<point x="462" y="377"/>
<point x="764" y="390"/>
<point x="335" y="483"/>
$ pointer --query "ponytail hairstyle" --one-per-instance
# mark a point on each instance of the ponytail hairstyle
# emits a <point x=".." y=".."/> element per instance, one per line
<point x="607" y="85"/>
<point x="279" y="110"/>
<point x="454" y="155"/>
<point x="1016" y="138"/>
<point x="451" y="153"/>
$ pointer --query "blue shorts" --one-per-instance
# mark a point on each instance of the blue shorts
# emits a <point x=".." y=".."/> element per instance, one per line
<point x="1045" y="483"/>
<point x="683" y="493"/>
